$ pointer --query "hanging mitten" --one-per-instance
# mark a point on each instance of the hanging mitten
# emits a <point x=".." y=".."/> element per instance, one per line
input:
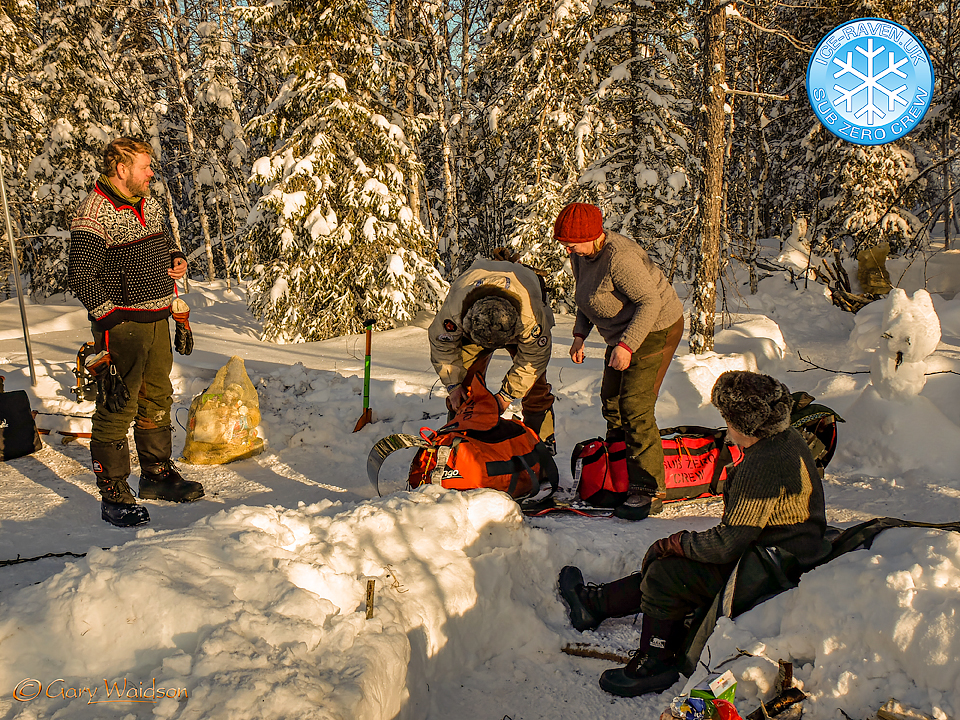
<point x="183" y="336"/>
<point x="112" y="392"/>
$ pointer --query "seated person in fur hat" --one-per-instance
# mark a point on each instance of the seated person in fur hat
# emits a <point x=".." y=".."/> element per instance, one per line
<point x="773" y="497"/>
<point x="493" y="305"/>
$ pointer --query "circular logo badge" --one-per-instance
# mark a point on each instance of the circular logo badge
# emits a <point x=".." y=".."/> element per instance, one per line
<point x="870" y="81"/>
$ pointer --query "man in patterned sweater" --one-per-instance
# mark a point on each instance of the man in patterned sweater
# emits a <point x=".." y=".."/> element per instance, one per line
<point x="123" y="267"/>
<point x="772" y="498"/>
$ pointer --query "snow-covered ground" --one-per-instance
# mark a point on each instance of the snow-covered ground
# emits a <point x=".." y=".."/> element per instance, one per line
<point x="250" y="603"/>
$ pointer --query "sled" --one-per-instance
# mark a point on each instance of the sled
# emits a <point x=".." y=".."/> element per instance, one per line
<point x="384" y="448"/>
<point x="579" y="507"/>
<point x="66" y="436"/>
<point x="576" y="507"/>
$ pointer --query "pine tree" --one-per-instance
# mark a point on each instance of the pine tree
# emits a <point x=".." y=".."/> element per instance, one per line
<point x="78" y="58"/>
<point x="532" y="137"/>
<point x="20" y="123"/>
<point x="331" y="240"/>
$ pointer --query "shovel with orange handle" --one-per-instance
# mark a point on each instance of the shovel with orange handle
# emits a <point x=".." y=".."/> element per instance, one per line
<point x="367" y="416"/>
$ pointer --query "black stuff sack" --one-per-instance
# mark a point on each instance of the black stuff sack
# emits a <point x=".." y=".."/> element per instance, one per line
<point x="18" y="431"/>
<point x="818" y="425"/>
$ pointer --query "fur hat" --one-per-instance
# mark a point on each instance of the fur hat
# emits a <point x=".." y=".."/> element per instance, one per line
<point x="578" y="223"/>
<point x="753" y="404"/>
<point x="492" y="322"/>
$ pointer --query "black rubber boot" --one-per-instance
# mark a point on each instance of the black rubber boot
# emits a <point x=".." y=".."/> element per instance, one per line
<point x="585" y="602"/>
<point x="655" y="665"/>
<point x="638" y="506"/>
<point x="159" y="477"/>
<point x="111" y="464"/>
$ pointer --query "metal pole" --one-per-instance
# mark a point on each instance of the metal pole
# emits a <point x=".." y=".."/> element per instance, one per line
<point x="16" y="274"/>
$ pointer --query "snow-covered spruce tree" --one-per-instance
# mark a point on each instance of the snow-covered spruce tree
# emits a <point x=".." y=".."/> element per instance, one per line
<point x="648" y="173"/>
<point x="531" y="136"/>
<point x="869" y="195"/>
<point x="331" y="240"/>
<point x="76" y="60"/>
<point x="582" y="103"/>
<point x="20" y="118"/>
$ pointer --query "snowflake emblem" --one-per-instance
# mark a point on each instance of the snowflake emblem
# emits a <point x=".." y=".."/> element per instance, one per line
<point x="870" y="85"/>
<point x="870" y="81"/>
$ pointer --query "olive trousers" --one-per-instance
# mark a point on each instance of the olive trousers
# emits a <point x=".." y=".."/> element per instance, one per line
<point x="143" y="356"/>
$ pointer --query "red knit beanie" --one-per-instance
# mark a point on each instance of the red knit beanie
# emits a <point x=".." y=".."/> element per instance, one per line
<point x="578" y="223"/>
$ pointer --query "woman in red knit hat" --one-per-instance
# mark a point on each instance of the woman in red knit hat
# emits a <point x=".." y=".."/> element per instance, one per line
<point x="621" y="292"/>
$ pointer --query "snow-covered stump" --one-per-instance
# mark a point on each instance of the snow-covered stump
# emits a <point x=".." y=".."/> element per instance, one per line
<point x="887" y="427"/>
<point x="910" y="333"/>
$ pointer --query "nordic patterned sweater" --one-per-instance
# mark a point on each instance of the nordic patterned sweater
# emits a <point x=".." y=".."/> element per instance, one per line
<point x="119" y="257"/>
<point x="623" y="293"/>
<point x="773" y="497"/>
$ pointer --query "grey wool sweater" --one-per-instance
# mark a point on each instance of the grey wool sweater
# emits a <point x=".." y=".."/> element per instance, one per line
<point x="622" y="292"/>
<point x="773" y="497"/>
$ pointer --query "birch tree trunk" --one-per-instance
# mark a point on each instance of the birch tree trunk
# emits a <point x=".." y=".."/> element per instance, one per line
<point x="949" y="209"/>
<point x="449" y="235"/>
<point x="236" y="231"/>
<point x="223" y="245"/>
<point x="174" y="227"/>
<point x="178" y="76"/>
<point x="702" y="316"/>
<point x="413" y="183"/>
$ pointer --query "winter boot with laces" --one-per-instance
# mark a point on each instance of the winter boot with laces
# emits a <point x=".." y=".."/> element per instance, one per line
<point x="591" y="604"/>
<point x="585" y="601"/>
<point x="159" y="477"/>
<point x="655" y="666"/>
<point x="543" y="425"/>
<point x="111" y="464"/>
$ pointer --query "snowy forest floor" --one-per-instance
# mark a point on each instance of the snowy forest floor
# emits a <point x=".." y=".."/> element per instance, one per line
<point x="502" y="659"/>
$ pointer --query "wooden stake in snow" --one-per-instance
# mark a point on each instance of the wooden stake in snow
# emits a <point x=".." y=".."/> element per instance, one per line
<point x="371" y="586"/>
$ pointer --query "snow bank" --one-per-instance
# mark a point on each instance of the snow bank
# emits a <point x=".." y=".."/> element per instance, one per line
<point x="260" y="612"/>
<point x="871" y="625"/>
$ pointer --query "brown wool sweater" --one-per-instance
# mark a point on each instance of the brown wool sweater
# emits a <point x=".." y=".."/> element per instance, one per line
<point x="623" y="293"/>
<point x="773" y="497"/>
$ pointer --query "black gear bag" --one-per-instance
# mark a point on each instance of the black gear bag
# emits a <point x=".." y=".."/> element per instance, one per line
<point x="18" y="431"/>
